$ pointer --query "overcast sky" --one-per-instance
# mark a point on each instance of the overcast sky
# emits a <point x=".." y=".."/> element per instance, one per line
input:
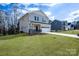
<point x="60" y="11"/>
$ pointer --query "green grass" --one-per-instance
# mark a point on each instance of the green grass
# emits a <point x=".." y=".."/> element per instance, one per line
<point x="71" y="32"/>
<point x="38" y="45"/>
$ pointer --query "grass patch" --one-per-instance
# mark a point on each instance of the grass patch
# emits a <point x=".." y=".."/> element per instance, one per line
<point x="70" y="32"/>
<point x="38" y="45"/>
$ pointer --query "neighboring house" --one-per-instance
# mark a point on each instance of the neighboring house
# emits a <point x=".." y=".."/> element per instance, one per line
<point x="34" y="21"/>
<point x="64" y="25"/>
<point x="77" y="25"/>
<point x="56" y="25"/>
<point x="59" y="25"/>
<point x="71" y="26"/>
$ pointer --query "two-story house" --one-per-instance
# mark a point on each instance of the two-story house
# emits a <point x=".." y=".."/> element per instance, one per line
<point x="34" y="21"/>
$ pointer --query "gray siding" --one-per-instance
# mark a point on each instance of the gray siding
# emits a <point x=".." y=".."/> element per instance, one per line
<point x="42" y="18"/>
<point x="56" y="25"/>
<point x="24" y="24"/>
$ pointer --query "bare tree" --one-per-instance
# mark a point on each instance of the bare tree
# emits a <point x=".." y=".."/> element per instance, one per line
<point x="14" y="18"/>
<point x="2" y="22"/>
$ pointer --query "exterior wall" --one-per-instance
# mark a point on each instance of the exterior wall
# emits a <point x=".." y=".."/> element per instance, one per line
<point x="64" y="25"/>
<point x="56" y="25"/>
<point x="70" y="27"/>
<point x="33" y="28"/>
<point x="42" y="18"/>
<point x="45" y="25"/>
<point x="24" y="24"/>
<point x="59" y="25"/>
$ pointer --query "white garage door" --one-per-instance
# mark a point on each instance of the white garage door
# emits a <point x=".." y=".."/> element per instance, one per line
<point x="45" y="30"/>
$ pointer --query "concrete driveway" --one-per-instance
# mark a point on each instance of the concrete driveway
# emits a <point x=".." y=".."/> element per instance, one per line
<point x="62" y="34"/>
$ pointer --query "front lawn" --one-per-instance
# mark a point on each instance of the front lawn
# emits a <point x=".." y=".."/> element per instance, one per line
<point x="43" y="45"/>
<point x="71" y="32"/>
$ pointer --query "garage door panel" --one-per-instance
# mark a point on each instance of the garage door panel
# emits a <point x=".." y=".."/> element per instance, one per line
<point x="45" y="29"/>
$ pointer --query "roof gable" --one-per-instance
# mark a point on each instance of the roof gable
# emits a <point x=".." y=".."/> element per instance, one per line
<point x="37" y="12"/>
<point x="40" y="13"/>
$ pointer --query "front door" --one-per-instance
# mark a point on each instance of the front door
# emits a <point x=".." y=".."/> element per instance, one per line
<point x="37" y="28"/>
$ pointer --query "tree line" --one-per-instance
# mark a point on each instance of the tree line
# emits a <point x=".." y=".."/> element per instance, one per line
<point x="9" y="22"/>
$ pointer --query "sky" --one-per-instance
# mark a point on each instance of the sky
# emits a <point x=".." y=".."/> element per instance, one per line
<point x="59" y="11"/>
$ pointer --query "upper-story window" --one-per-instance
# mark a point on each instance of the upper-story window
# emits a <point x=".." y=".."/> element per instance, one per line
<point x="43" y="20"/>
<point x="0" y="21"/>
<point x="36" y="18"/>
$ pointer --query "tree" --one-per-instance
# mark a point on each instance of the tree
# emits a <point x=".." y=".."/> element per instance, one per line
<point x="7" y="16"/>
<point x="14" y="26"/>
<point x="2" y="22"/>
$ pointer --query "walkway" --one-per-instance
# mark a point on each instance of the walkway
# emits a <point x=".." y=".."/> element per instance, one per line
<point x="62" y="34"/>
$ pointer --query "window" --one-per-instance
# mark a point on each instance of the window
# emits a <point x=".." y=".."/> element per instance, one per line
<point x="0" y="21"/>
<point x="43" y="20"/>
<point x="34" y="17"/>
<point x="37" y="18"/>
